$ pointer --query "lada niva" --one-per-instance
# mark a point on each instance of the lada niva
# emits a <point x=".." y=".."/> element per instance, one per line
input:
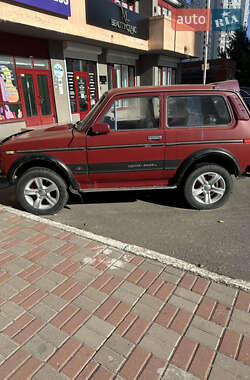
<point x="192" y="137"/>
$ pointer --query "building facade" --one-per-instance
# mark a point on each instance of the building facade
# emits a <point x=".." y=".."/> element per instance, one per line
<point x="218" y="41"/>
<point x="57" y="57"/>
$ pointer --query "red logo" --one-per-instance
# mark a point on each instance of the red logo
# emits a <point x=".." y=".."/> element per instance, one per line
<point x="191" y="19"/>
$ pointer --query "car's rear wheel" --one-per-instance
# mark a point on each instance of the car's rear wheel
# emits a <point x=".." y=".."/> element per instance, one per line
<point x="41" y="191"/>
<point x="208" y="187"/>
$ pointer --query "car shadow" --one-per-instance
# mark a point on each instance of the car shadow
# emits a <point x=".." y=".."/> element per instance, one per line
<point x="170" y="198"/>
<point x="8" y="196"/>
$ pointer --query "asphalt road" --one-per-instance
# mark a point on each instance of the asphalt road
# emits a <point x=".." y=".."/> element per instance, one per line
<point x="217" y="240"/>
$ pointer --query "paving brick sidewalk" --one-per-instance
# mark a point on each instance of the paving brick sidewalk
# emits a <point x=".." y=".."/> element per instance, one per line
<point x="71" y="308"/>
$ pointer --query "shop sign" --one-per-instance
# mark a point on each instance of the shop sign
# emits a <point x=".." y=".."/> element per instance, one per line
<point x="61" y="7"/>
<point x="59" y="74"/>
<point x="125" y="23"/>
<point x="116" y="18"/>
<point x="58" y="70"/>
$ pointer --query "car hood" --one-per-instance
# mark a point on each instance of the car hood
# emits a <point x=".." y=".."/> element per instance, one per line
<point x="42" y="139"/>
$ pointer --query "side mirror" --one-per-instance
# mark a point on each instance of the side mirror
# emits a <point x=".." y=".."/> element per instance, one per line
<point x="101" y="129"/>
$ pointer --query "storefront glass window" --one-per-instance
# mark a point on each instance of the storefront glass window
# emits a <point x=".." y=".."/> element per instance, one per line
<point x="8" y="82"/>
<point x="91" y="67"/>
<point x="92" y="82"/>
<point x="41" y="64"/>
<point x="124" y="4"/>
<point x="164" y="8"/>
<point x="173" y="76"/>
<point x="83" y="66"/>
<point x="117" y="76"/>
<point x="120" y="76"/>
<point x="77" y="65"/>
<point x="131" y="76"/>
<point x="10" y="107"/>
<point x="110" y="77"/>
<point x="124" y="76"/>
<point x="70" y="65"/>
<point x="24" y="62"/>
<point x="159" y="77"/>
<point x="169" y="75"/>
<point x="166" y="76"/>
<point x="10" y="111"/>
<point x="82" y="85"/>
<point x="82" y="93"/>
<point x="71" y="84"/>
<point x="26" y="90"/>
<point x="73" y="106"/>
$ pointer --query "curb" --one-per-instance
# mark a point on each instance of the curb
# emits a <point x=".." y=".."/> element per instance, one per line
<point x="139" y="251"/>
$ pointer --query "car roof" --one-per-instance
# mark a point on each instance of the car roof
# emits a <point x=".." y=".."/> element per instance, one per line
<point x="230" y="85"/>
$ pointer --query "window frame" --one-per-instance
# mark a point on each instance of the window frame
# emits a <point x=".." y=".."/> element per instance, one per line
<point x="203" y="125"/>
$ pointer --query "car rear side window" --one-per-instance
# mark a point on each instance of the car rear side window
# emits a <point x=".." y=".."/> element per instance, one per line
<point x="133" y="113"/>
<point x="197" y="111"/>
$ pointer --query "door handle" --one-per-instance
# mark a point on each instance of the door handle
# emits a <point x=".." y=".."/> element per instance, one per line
<point x="154" y="138"/>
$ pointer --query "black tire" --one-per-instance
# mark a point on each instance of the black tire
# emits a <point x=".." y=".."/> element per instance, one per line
<point x="210" y="191"/>
<point x="47" y="202"/>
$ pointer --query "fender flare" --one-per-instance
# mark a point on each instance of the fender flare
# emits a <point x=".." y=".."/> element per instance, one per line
<point x="21" y="161"/>
<point x="209" y="153"/>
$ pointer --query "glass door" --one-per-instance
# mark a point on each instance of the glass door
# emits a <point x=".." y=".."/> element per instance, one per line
<point x="27" y="90"/>
<point x="82" y="93"/>
<point x="37" y="97"/>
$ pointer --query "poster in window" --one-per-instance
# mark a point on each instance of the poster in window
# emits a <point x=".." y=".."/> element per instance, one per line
<point x="71" y="85"/>
<point x="82" y="94"/>
<point x="10" y="111"/>
<point x="8" y="85"/>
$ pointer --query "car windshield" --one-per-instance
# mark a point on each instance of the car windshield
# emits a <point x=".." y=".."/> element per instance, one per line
<point x="89" y="115"/>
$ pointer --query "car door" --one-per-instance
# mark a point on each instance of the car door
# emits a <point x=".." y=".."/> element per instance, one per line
<point x="132" y="153"/>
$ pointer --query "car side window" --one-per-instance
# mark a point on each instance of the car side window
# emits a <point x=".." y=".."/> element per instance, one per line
<point x="133" y="113"/>
<point x="197" y="111"/>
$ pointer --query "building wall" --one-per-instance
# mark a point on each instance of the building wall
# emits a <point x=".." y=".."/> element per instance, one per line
<point x="74" y="26"/>
<point x="60" y="84"/>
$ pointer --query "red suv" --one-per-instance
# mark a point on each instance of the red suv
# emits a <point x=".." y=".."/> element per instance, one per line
<point x="191" y="137"/>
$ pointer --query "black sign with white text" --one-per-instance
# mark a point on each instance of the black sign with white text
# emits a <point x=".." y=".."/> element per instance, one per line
<point x="117" y="19"/>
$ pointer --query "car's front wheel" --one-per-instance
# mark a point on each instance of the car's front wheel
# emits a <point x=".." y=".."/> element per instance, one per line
<point x="41" y="191"/>
<point x="208" y="187"/>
